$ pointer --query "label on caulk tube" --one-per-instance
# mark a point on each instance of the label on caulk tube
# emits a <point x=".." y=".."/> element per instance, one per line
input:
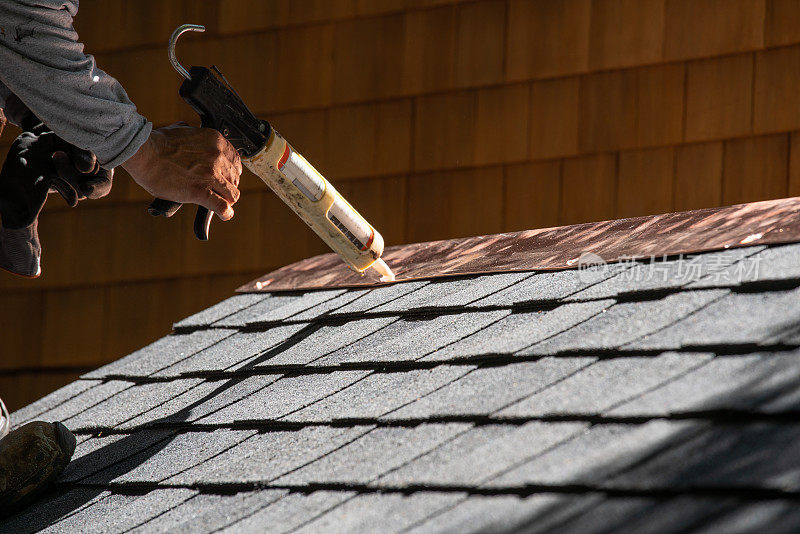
<point x="302" y="174"/>
<point x="354" y="227"/>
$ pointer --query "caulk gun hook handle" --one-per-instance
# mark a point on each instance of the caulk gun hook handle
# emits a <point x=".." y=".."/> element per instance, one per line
<point x="173" y="39"/>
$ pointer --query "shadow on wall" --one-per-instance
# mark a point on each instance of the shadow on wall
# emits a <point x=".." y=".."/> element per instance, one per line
<point x="693" y="479"/>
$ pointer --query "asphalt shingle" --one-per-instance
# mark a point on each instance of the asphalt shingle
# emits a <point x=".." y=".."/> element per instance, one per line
<point x="626" y="322"/>
<point x="166" y="351"/>
<point x="221" y="310"/>
<point x="753" y="318"/>
<point x="529" y="401"/>
<point x="486" y="390"/>
<point x="263" y="457"/>
<point x="380" y="393"/>
<point x="765" y="382"/>
<point x="520" y="330"/>
<point x="240" y="350"/>
<point x="412" y="338"/>
<point x="283" y="397"/>
<point x="377" y="452"/>
<point x="480" y="453"/>
<point x="605" y="384"/>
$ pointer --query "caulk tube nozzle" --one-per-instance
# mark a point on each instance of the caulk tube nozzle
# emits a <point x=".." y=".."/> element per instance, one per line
<point x="317" y="202"/>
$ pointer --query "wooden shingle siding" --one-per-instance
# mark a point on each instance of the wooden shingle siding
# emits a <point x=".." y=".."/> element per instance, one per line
<point x="435" y="118"/>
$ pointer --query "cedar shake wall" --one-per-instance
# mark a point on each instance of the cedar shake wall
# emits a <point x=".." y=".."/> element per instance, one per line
<point x="436" y="119"/>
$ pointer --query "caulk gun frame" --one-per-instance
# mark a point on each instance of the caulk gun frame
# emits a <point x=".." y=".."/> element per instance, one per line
<point x="173" y="39"/>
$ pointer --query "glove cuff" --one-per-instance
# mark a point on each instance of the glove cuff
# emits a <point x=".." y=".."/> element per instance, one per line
<point x="20" y="250"/>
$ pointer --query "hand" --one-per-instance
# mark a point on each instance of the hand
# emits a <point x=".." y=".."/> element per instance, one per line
<point x="186" y="164"/>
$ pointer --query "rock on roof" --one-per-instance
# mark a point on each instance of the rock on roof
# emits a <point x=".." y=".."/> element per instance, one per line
<point x="631" y="397"/>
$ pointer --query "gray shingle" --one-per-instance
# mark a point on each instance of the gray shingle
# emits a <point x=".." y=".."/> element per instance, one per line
<point x="605" y="384"/>
<point x="489" y="389"/>
<point x="626" y="322"/>
<point x="374" y="454"/>
<point x="411" y="339"/>
<point x="278" y="307"/>
<point x="201" y="400"/>
<point x="374" y="512"/>
<point x="451" y="292"/>
<point x="98" y="453"/>
<point x="308" y="301"/>
<point x="481" y="453"/>
<point x="85" y="400"/>
<point x="221" y="310"/>
<point x="238" y="351"/>
<point x="162" y="353"/>
<point x="520" y="330"/>
<point x="264" y="457"/>
<point x="129" y="403"/>
<point x="380" y="393"/>
<point x="172" y="456"/>
<point x="55" y="399"/>
<point x="550" y="286"/>
<point x="112" y="512"/>
<point x="379" y="296"/>
<point x="289" y="512"/>
<point x="326" y="307"/>
<point x="592" y="457"/>
<point x="771" y="263"/>
<point x="765" y="382"/>
<point x="737" y="318"/>
<point x="50" y="512"/>
<point x="211" y="512"/>
<point x="670" y="273"/>
<point x="500" y="514"/>
<point x="728" y="455"/>
<point x="317" y="341"/>
<point x="285" y="396"/>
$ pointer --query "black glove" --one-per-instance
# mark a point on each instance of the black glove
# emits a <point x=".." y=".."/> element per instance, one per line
<point x="40" y="162"/>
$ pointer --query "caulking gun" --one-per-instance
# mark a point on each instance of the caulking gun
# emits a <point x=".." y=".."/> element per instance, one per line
<point x="282" y="168"/>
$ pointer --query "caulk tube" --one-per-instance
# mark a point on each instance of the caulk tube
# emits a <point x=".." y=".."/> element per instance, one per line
<point x="318" y="203"/>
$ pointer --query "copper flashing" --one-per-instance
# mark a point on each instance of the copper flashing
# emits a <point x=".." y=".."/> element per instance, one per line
<point x="768" y="222"/>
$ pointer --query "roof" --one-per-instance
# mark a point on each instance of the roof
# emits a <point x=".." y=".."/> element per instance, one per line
<point x="638" y="396"/>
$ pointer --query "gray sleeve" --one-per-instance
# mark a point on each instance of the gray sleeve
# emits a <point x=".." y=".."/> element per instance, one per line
<point x="43" y="64"/>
